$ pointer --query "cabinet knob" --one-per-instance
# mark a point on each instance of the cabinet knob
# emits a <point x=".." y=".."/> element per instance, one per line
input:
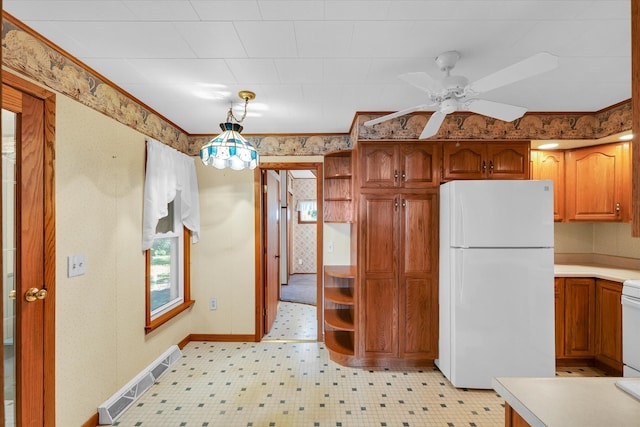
<point x="404" y="176"/>
<point x="395" y="175"/>
<point x="484" y="166"/>
<point x="491" y="167"/>
<point x="618" y="209"/>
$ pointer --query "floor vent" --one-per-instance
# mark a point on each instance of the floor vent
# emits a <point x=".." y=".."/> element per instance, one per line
<point x="110" y="410"/>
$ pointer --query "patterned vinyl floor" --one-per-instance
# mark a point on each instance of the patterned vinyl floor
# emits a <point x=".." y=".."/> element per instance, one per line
<point x="293" y="383"/>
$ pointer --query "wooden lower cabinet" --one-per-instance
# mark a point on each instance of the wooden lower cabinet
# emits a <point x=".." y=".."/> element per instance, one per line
<point x="512" y="418"/>
<point x="580" y="302"/>
<point x="588" y="316"/>
<point x="609" y="326"/>
<point x="398" y="263"/>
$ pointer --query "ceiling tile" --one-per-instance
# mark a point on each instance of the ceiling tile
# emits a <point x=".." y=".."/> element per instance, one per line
<point x="267" y="39"/>
<point x="211" y="40"/>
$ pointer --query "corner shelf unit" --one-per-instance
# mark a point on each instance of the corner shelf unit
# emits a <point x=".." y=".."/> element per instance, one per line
<point x="340" y="312"/>
<point x="338" y="187"/>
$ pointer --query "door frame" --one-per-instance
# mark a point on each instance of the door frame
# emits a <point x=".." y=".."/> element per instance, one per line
<point x="49" y="100"/>
<point x="317" y="167"/>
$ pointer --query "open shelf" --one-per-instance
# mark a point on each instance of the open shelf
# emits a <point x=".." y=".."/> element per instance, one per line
<point x="340" y="342"/>
<point x="339" y="318"/>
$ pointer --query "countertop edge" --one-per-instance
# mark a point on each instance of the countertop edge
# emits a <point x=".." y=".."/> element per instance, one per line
<point x="598" y="272"/>
<point x="516" y="405"/>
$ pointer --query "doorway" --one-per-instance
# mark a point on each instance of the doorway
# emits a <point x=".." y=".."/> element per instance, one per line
<point x="28" y="262"/>
<point x="283" y="266"/>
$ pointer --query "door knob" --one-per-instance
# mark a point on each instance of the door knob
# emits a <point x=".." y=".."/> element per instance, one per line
<point x="33" y="294"/>
<point x="12" y="294"/>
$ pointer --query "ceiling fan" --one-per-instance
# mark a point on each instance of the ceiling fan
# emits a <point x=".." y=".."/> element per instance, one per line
<point x="454" y="93"/>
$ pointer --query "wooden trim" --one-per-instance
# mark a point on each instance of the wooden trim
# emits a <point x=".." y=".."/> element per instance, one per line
<point x="184" y="341"/>
<point x="223" y="337"/>
<point x="49" y="99"/>
<point x="318" y="168"/>
<point x="635" y="100"/>
<point x="161" y="320"/>
<point x="259" y="259"/>
<point x="91" y="422"/>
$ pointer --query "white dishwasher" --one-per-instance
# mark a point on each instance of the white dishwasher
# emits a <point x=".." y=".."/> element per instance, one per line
<point x="631" y="328"/>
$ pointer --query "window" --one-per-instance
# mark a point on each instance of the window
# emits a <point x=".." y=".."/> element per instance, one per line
<point x="307" y="211"/>
<point x="171" y="221"/>
<point x="167" y="272"/>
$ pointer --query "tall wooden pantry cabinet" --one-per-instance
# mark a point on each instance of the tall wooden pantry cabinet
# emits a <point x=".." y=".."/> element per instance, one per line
<point x="397" y="254"/>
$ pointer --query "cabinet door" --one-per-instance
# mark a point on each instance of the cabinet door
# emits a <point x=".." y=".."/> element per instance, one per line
<point x="378" y="167"/>
<point x="579" y="328"/>
<point x="507" y="160"/>
<point x="559" y="312"/>
<point x="463" y="160"/>
<point x="550" y="165"/>
<point x="418" y="321"/>
<point x="597" y="183"/>
<point x="419" y="165"/>
<point x="378" y="261"/>
<point x="609" y="324"/>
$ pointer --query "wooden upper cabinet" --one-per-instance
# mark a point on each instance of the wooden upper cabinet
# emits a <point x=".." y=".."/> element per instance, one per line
<point x="399" y="165"/>
<point x="485" y="160"/>
<point x="598" y="183"/>
<point x="550" y="165"/>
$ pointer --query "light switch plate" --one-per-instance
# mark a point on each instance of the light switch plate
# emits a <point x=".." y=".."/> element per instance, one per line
<point x="76" y="265"/>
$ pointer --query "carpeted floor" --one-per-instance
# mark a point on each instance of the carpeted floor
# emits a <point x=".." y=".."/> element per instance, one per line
<point x="301" y="289"/>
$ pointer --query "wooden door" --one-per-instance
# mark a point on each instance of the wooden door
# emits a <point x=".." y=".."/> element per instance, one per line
<point x="507" y="160"/>
<point x="31" y="225"/>
<point x="420" y="165"/>
<point x="550" y="165"/>
<point x="579" y="328"/>
<point x="609" y="324"/>
<point x="463" y="160"/>
<point x="418" y="314"/>
<point x="595" y="178"/>
<point x="378" y="297"/>
<point x="378" y="166"/>
<point x="272" y="250"/>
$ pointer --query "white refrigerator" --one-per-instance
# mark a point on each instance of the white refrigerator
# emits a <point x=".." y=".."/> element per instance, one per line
<point x="496" y="288"/>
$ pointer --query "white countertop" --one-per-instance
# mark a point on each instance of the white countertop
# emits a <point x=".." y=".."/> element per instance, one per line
<point x="566" y="402"/>
<point x="599" y="272"/>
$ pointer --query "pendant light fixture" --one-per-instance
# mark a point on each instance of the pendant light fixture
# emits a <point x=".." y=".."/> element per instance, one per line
<point x="230" y="149"/>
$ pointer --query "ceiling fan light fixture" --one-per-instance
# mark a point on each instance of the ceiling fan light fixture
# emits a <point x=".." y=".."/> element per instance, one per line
<point x="448" y="106"/>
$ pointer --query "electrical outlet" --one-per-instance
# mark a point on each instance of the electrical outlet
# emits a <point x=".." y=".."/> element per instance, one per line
<point x="213" y="304"/>
<point x="330" y="246"/>
<point x="299" y="261"/>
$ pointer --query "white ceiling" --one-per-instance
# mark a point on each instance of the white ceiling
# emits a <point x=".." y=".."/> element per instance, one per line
<point x="313" y="64"/>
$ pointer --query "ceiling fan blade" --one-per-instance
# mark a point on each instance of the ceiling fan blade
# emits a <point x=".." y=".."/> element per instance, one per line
<point x="394" y="115"/>
<point x="532" y="66"/>
<point x="434" y="123"/>
<point x="497" y="110"/>
<point x="422" y="80"/>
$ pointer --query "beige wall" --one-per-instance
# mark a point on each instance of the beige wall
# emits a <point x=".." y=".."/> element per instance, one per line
<point x="602" y="238"/>
<point x="223" y="262"/>
<point x="100" y="339"/>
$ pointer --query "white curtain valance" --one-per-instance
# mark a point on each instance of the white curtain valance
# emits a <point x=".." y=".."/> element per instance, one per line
<point x="307" y="205"/>
<point x="169" y="171"/>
